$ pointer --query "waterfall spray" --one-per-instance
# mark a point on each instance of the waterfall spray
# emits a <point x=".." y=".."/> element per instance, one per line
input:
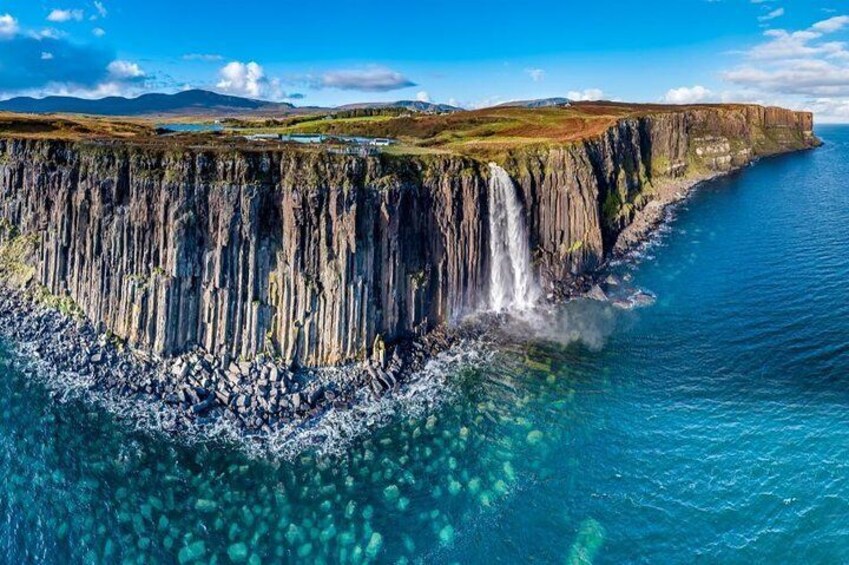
<point x="511" y="280"/>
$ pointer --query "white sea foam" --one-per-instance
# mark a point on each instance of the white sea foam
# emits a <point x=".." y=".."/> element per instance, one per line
<point x="422" y="393"/>
<point x="331" y="433"/>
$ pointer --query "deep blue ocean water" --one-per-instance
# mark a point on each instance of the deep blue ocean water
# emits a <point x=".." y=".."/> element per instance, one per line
<point x="709" y="427"/>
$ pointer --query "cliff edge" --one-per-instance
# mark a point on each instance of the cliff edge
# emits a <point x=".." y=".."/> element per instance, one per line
<point x="313" y="257"/>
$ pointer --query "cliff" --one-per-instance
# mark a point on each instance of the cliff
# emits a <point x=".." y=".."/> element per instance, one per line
<point x="311" y="255"/>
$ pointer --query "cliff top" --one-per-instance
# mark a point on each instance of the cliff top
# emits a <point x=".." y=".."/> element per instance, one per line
<point x="480" y="133"/>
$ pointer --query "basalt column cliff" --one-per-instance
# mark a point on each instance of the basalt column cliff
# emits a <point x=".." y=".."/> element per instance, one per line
<point x="310" y="255"/>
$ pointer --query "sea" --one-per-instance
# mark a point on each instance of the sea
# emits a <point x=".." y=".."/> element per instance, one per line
<point x="708" y="426"/>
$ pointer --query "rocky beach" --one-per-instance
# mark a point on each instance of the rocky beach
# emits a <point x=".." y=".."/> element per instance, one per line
<point x="197" y="394"/>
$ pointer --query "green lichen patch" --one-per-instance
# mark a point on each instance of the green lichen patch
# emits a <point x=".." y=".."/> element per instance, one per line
<point x="64" y="304"/>
<point x="16" y="250"/>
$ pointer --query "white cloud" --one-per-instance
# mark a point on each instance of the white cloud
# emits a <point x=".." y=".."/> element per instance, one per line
<point x="584" y="95"/>
<point x="783" y="45"/>
<point x="125" y="70"/>
<point x="243" y="79"/>
<point x="487" y="102"/>
<point x="368" y="79"/>
<point x="831" y="25"/>
<point x="8" y="26"/>
<point x="803" y="43"/>
<point x="802" y="62"/>
<point x="47" y="63"/>
<point x="250" y="80"/>
<point x="98" y="32"/>
<point x="536" y="75"/>
<point x="687" y="95"/>
<point x="205" y="57"/>
<point x="777" y="13"/>
<point x="747" y="97"/>
<point x="802" y="69"/>
<point x="831" y="109"/>
<point x="423" y="96"/>
<point x="46" y="33"/>
<point x="107" y="88"/>
<point x="101" y="9"/>
<point x="803" y="77"/>
<point x="60" y="16"/>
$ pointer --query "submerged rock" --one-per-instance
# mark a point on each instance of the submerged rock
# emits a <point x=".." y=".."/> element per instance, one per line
<point x="596" y="293"/>
<point x="192" y="552"/>
<point x="588" y="542"/>
<point x="238" y="552"/>
<point x="375" y="544"/>
<point x="391" y="493"/>
<point x="446" y="535"/>
<point x="203" y="505"/>
<point x="534" y="437"/>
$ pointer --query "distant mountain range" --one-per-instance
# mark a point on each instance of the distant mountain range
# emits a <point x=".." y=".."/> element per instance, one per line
<point x="197" y="102"/>
<point x="187" y="102"/>
<point x="538" y="103"/>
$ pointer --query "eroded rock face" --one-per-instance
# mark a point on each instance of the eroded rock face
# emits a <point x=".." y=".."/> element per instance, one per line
<point x="311" y="256"/>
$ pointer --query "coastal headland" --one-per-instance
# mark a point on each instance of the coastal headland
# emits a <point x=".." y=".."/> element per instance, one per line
<point x="219" y="272"/>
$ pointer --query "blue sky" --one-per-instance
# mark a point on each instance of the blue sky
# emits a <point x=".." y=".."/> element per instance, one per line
<point x="789" y="52"/>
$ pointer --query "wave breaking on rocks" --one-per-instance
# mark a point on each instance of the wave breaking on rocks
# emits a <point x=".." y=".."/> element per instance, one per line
<point x="259" y="407"/>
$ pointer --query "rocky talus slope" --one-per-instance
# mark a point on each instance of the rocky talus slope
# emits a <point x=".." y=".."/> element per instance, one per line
<point x="314" y="258"/>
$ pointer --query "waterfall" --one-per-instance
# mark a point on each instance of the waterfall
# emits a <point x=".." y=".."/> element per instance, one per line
<point x="511" y="284"/>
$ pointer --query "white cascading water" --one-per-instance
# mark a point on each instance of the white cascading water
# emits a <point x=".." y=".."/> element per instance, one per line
<point x="511" y="284"/>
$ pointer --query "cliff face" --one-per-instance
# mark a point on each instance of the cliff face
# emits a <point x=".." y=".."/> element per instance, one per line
<point x="311" y="256"/>
<point x="582" y="196"/>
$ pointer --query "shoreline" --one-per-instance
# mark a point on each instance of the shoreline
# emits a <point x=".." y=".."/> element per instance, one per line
<point x="261" y="402"/>
<point x="261" y="405"/>
<point x="648" y="219"/>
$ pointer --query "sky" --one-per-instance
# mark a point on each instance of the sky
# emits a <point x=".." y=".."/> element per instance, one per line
<point x="793" y="53"/>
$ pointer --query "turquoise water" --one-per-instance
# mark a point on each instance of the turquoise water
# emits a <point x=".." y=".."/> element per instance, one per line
<point x="190" y="128"/>
<point x="710" y="427"/>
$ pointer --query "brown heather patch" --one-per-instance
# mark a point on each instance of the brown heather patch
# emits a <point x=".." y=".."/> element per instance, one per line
<point x="53" y="126"/>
